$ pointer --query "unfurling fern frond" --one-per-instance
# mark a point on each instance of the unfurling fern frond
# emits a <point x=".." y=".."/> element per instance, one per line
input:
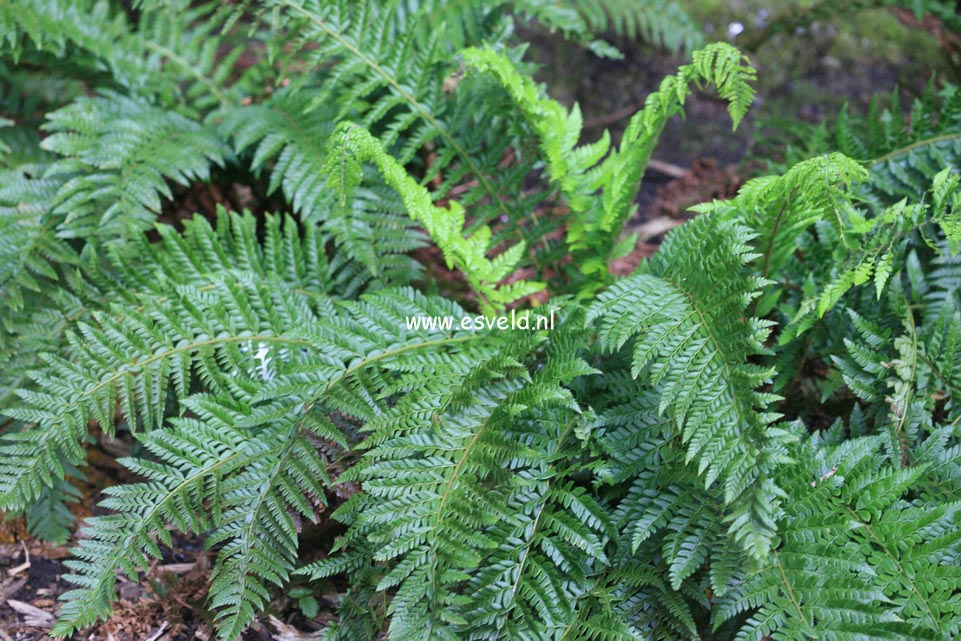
<point x="693" y="340"/>
<point x="393" y="83"/>
<point x="781" y="208"/>
<point x="597" y="219"/>
<point x="378" y="63"/>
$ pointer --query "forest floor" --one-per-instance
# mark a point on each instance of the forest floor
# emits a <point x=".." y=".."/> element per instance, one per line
<point x="698" y="159"/>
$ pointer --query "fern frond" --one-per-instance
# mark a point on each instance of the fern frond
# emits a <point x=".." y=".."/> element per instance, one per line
<point x="780" y="208"/>
<point x="173" y="55"/>
<point x="118" y="154"/>
<point x="292" y="141"/>
<point x="883" y="247"/>
<point x="660" y="22"/>
<point x="284" y="383"/>
<point x="693" y="340"/>
<point x="353" y="146"/>
<point x="377" y="64"/>
<point x="858" y="560"/>
<point x="29" y="246"/>
<point x="448" y="492"/>
<point x="165" y="331"/>
<point x="580" y="171"/>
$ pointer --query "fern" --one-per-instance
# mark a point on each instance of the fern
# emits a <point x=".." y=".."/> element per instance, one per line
<point x="445" y="225"/>
<point x="117" y="155"/>
<point x="247" y="506"/>
<point x="662" y="23"/>
<point x="141" y="358"/>
<point x="665" y="24"/>
<point x="170" y="56"/>
<point x="580" y="171"/>
<point x="283" y="130"/>
<point x="866" y="566"/>
<point x="883" y="244"/>
<point x="447" y="449"/>
<point x="809" y="192"/>
<point x="632" y="473"/>
<point x="695" y="346"/>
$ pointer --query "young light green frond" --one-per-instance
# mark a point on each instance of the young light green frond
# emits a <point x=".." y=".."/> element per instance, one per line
<point x="598" y="218"/>
<point x="352" y="146"/>
<point x="398" y="74"/>
<point x="781" y="208"/>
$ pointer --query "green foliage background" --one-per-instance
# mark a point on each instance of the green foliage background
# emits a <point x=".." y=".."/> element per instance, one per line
<point x="753" y="436"/>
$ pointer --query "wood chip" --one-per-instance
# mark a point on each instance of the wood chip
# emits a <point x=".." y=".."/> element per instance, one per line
<point x="290" y="633"/>
<point x="11" y="589"/>
<point x="160" y="630"/>
<point x="176" y="568"/>
<point x="32" y="616"/>
<point x="23" y="566"/>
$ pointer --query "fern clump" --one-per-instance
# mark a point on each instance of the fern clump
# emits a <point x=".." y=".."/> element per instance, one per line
<point x="754" y="435"/>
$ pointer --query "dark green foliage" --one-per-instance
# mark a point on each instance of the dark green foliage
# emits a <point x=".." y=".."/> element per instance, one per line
<point x="756" y="435"/>
<point x="692" y="341"/>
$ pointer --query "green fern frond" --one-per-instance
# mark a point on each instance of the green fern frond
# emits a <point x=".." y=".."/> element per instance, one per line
<point x="118" y="154"/>
<point x="692" y="339"/>
<point x="291" y="140"/>
<point x="353" y="146"/>
<point x="448" y="492"/>
<point x="29" y="246"/>
<point x="659" y="22"/>
<point x="173" y="55"/>
<point x="884" y="246"/>
<point x="288" y="140"/>
<point x="153" y="339"/>
<point x="871" y="565"/>
<point x="580" y="171"/>
<point x="377" y="65"/>
<point x="284" y="383"/>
